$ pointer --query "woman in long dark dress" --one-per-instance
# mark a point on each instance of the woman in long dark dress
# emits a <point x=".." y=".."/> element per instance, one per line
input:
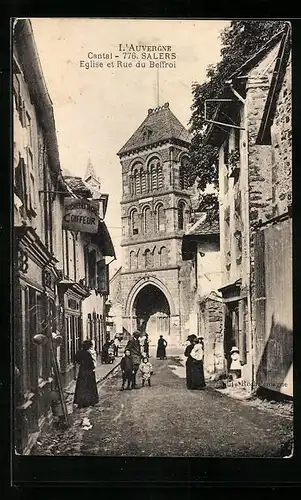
<point x="161" y="348"/>
<point x="85" y="390"/>
<point x="195" y="379"/>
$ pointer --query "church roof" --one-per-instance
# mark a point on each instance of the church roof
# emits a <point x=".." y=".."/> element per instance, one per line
<point x="90" y="171"/>
<point x="159" y="125"/>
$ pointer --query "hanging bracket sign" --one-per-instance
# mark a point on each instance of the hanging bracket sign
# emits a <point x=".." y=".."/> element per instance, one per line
<point x="81" y="215"/>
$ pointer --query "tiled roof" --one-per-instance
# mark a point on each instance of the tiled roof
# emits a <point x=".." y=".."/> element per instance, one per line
<point x="77" y="185"/>
<point x="205" y="227"/>
<point x="159" y="125"/>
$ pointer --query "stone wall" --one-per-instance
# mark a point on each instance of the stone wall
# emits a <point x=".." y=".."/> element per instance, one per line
<point x="281" y="135"/>
<point x="212" y="318"/>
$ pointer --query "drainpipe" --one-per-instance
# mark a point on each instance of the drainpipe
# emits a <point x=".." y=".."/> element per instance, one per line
<point x="248" y="249"/>
<point x="247" y="218"/>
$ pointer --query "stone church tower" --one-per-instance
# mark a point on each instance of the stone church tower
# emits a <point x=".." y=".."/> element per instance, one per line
<point x="155" y="211"/>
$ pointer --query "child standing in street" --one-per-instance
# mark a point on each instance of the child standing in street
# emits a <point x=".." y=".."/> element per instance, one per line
<point x="146" y="370"/>
<point x="127" y="369"/>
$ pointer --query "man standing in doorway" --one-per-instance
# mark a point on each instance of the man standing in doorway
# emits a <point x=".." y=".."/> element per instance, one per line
<point x="134" y="347"/>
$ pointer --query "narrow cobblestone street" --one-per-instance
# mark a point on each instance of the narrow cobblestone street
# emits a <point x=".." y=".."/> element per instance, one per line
<point x="169" y="420"/>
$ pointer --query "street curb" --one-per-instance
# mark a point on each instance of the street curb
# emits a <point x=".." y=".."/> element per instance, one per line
<point x="108" y="373"/>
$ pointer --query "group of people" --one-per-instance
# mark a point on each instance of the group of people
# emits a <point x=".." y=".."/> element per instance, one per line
<point x="136" y="358"/>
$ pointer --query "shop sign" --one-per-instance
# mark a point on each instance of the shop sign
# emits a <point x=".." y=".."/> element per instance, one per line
<point x="81" y="215"/>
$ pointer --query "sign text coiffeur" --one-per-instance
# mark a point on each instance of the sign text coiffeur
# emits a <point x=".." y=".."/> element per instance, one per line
<point x="81" y="215"/>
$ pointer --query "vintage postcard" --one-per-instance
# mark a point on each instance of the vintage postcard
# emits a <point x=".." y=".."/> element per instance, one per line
<point x="152" y="193"/>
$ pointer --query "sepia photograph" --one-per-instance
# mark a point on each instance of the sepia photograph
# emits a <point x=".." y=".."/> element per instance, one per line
<point x="152" y="229"/>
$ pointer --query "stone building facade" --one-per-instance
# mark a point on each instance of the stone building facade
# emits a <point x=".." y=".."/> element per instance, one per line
<point x="201" y="246"/>
<point x="255" y="188"/>
<point x="155" y="212"/>
<point x="52" y="273"/>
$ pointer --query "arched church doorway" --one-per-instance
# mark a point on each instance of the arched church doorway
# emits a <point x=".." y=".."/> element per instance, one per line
<point x="152" y="312"/>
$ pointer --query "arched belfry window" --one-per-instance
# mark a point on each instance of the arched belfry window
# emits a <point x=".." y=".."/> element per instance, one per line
<point x="181" y="215"/>
<point x="155" y="175"/>
<point x="183" y="174"/>
<point x="137" y="180"/>
<point x="160" y="218"/>
<point x="147" y="220"/>
<point x="159" y="176"/>
<point x="134" y="222"/>
<point x="142" y="180"/>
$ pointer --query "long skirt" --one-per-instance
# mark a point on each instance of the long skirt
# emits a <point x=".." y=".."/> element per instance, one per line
<point x="195" y="379"/>
<point x="161" y="352"/>
<point x="85" y="390"/>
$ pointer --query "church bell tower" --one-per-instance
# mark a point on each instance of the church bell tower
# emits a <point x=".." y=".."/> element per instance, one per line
<point x="155" y="211"/>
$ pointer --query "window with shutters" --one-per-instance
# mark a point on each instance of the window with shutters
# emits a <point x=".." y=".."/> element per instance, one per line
<point x="160" y="218"/>
<point x="20" y="181"/>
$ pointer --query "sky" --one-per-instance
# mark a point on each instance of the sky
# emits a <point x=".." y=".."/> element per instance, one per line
<point x="97" y="109"/>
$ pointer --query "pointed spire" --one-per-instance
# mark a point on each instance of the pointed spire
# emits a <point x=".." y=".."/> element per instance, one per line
<point x="90" y="170"/>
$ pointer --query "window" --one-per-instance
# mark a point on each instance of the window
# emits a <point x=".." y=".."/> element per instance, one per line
<point x="102" y="277"/>
<point x="147" y="221"/>
<point x="70" y="338"/>
<point x="183" y="174"/>
<point x="92" y="268"/>
<point x="148" y="258"/>
<point x="181" y="211"/>
<point x="142" y="180"/>
<point x="159" y="176"/>
<point x="160" y="218"/>
<point x="134" y="222"/>
<point x="133" y="260"/>
<point x="148" y="179"/>
<point x="156" y="177"/>
<point x="20" y="180"/>
<point x="163" y="256"/>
